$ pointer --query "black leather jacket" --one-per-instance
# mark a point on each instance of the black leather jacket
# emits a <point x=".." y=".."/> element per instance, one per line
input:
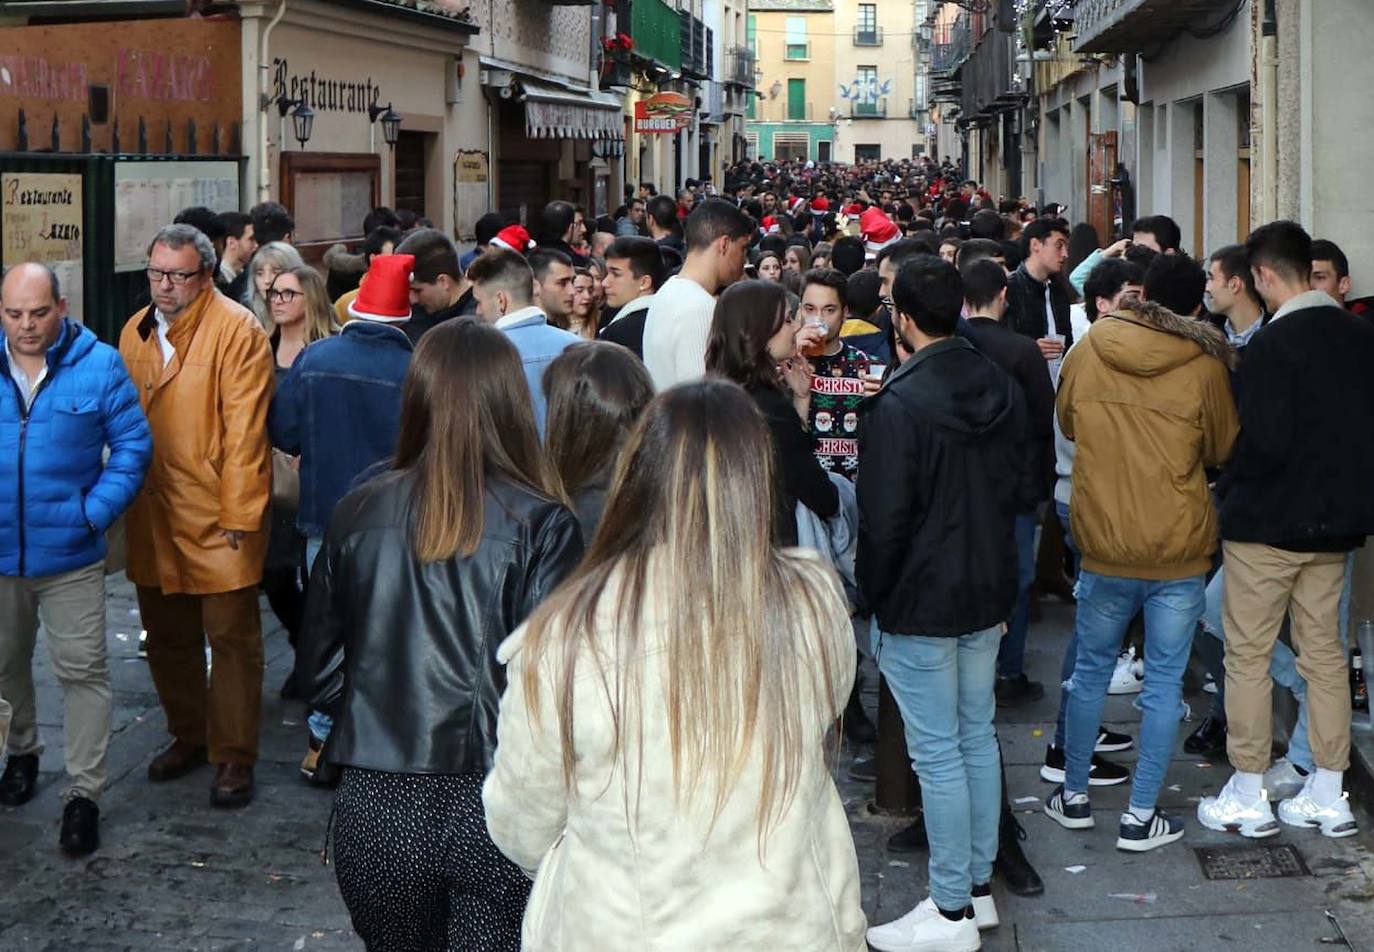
<point x="404" y="654"/>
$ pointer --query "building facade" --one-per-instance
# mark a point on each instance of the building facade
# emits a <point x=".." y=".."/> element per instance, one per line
<point x="839" y="81"/>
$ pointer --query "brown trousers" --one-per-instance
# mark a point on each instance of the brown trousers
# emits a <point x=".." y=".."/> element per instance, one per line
<point x="1263" y="584"/>
<point x="225" y="716"/>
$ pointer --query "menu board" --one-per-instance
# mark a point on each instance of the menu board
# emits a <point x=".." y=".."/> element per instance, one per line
<point x="471" y="191"/>
<point x="330" y="205"/>
<point x="148" y="195"/>
<point x="40" y="220"/>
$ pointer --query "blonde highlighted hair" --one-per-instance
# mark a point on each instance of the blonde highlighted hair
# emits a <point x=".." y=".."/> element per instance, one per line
<point x="745" y="663"/>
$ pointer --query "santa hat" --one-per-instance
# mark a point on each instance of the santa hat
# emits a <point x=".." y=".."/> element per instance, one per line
<point x="877" y="231"/>
<point x="769" y="225"/>
<point x="820" y="204"/>
<point x="514" y="238"/>
<point x="796" y="205"/>
<point x="384" y="294"/>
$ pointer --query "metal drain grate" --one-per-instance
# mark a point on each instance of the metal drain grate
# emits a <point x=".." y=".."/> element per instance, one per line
<point x="1251" y="862"/>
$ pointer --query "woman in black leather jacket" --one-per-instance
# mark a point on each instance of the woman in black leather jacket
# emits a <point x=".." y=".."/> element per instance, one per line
<point x="425" y="570"/>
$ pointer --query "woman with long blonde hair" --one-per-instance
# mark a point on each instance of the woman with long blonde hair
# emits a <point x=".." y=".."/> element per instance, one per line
<point x="425" y="570"/>
<point x="662" y="755"/>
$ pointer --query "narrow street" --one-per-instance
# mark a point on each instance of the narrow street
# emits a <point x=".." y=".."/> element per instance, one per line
<point x="173" y="874"/>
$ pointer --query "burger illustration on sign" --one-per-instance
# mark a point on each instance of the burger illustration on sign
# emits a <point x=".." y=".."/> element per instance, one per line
<point x="663" y="112"/>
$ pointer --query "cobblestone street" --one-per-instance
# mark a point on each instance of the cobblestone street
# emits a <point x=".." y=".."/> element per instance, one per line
<point x="174" y="874"/>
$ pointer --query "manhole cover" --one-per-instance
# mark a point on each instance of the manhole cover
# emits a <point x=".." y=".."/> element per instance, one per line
<point x="1251" y="862"/>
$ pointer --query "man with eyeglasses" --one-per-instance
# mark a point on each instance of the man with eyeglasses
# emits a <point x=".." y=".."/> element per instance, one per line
<point x="203" y="370"/>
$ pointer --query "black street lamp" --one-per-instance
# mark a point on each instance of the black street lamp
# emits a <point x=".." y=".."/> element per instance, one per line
<point x="391" y="122"/>
<point x="302" y="117"/>
<point x="303" y="123"/>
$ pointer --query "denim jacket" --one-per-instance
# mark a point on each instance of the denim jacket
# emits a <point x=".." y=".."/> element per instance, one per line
<point x="538" y="342"/>
<point x="339" y="409"/>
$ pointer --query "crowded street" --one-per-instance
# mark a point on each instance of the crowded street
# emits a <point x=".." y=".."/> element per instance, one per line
<point x="686" y="475"/>
<point x="177" y="878"/>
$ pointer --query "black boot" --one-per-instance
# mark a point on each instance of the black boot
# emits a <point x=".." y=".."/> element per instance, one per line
<point x="19" y="779"/>
<point x="858" y="729"/>
<point x="1018" y="875"/>
<point x="80" y="827"/>
<point x="910" y="839"/>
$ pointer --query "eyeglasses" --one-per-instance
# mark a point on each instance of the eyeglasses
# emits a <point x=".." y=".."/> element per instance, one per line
<point x="283" y="295"/>
<point x="178" y="278"/>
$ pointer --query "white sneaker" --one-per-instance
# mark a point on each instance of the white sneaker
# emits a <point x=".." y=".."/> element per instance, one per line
<point x="923" y="929"/>
<point x="985" y="913"/>
<point x="1335" y="820"/>
<point x="1230" y="812"/>
<point x="1282" y="780"/>
<point x="1129" y="676"/>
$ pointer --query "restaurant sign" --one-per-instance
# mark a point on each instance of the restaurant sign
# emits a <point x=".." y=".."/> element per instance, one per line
<point x="663" y="113"/>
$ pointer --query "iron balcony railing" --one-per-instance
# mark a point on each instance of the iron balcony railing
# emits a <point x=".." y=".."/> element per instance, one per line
<point x="742" y="67"/>
<point x="870" y="110"/>
<point x="868" y="35"/>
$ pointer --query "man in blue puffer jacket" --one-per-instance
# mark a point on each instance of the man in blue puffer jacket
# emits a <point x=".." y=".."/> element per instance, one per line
<point x="64" y="397"/>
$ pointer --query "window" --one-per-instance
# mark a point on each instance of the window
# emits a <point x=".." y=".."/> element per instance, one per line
<point x="751" y="34"/>
<point x="750" y="104"/>
<point x="823" y="151"/>
<point x="868" y="103"/>
<point x="797" y="47"/>
<point x="796" y="99"/>
<point x="791" y="146"/>
<point x="866" y="31"/>
<point x="868" y="153"/>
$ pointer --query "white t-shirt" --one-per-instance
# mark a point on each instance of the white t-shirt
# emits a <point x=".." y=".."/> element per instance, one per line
<point x="675" y="332"/>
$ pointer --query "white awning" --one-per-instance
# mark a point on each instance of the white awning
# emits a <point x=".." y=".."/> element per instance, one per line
<point x="553" y="112"/>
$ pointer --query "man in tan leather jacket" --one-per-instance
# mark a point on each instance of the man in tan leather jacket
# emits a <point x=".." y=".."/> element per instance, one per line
<point x="203" y="369"/>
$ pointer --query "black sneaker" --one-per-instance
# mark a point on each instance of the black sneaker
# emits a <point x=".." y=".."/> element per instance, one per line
<point x="18" y="780"/>
<point x="1209" y="740"/>
<point x="1072" y="813"/>
<point x="1110" y="742"/>
<point x="910" y="839"/>
<point x="80" y="827"/>
<point x="1018" y="690"/>
<point x="1101" y="773"/>
<point x="1137" y="837"/>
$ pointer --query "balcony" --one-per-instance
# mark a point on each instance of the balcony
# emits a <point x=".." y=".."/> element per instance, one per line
<point x="692" y="39"/>
<point x="869" y="110"/>
<point x="790" y="112"/>
<point x="987" y="77"/>
<point x="868" y="35"/>
<point x="1128" y="26"/>
<point x="797" y="52"/>
<point x="656" y="30"/>
<point x="950" y="45"/>
<point x="741" y="67"/>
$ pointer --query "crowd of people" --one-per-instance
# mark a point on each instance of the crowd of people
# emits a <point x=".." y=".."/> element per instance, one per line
<point x="584" y="535"/>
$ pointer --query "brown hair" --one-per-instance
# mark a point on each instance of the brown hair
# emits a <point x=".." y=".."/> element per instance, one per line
<point x="689" y="519"/>
<point x="596" y="392"/>
<point x="465" y="416"/>
<point x="747" y="314"/>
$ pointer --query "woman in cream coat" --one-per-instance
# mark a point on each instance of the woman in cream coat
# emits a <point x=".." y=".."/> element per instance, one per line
<point x="662" y="756"/>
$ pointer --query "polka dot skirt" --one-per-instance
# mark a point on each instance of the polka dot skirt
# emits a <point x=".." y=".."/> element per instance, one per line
<point x="416" y="867"/>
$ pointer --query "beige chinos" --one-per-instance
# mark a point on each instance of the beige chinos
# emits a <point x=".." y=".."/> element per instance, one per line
<point x="71" y="606"/>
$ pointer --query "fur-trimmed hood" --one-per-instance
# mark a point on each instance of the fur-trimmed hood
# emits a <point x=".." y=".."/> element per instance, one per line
<point x="1145" y="339"/>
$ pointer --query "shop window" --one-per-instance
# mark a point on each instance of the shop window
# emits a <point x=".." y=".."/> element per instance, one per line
<point x="868" y="153"/>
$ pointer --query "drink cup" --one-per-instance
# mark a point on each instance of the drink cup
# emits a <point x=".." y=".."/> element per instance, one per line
<point x="876" y="370"/>
<point x="816" y="348"/>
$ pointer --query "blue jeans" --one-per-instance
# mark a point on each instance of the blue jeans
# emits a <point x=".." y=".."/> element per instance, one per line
<point x="944" y="689"/>
<point x="1011" y="656"/>
<point x="1106" y="605"/>
<point x="1070" y="652"/>
<point x="1283" y="664"/>
<point x="320" y="722"/>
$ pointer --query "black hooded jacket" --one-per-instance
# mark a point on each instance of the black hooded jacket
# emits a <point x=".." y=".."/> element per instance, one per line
<point x="945" y="465"/>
